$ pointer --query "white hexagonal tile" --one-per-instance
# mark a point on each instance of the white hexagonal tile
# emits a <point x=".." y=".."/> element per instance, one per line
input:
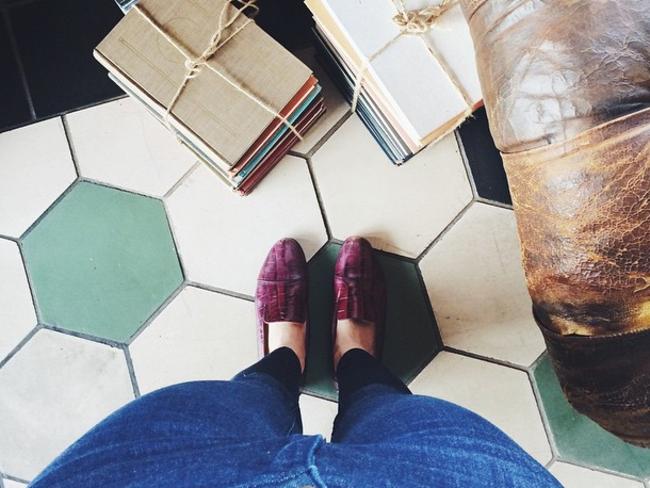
<point x="500" y="394"/>
<point x="17" y="316"/>
<point x="336" y="106"/>
<point x="317" y="415"/>
<point x="398" y="208"/>
<point x="201" y="335"/>
<point x="572" y="476"/>
<point x="120" y="143"/>
<point x="477" y="288"/>
<point x="223" y="238"/>
<point x="36" y="167"/>
<point x="13" y="484"/>
<point x="54" y="390"/>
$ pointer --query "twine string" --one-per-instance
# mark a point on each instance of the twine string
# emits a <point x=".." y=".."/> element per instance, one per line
<point x="195" y="65"/>
<point x="415" y="22"/>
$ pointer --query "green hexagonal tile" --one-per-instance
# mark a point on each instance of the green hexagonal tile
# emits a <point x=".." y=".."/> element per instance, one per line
<point x="411" y="333"/>
<point x="101" y="261"/>
<point x="579" y="439"/>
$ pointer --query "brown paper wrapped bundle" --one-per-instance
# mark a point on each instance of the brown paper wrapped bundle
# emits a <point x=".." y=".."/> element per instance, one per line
<point x="567" y="90"/>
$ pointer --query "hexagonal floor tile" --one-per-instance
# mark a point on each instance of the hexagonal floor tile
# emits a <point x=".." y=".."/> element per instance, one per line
<point x="200" y="335"/>
<point x="13" y="484"/>
<point x="53" y="390"/>
<point x="477" y="288"/>
<point x="101" y="261"/>
<point x="572" y="476"/>
<point x="32" y="176"/>
<point x="122" y="144"/>
<point x="500" y="394"/>
<point x="16" y="309"/>
<point x="579" y="439"/>
<point x="223" y="238"/>
<point x="336" y="106"/>
<point x="411" y="336"/>
<point x="399" y="209"/>
<point x="317" y="416"/>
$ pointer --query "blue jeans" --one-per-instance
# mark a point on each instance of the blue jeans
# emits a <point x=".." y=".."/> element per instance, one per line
<point x="247" y="433"/>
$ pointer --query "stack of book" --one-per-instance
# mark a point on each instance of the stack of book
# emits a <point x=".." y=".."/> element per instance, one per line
<point x="240" y="114"/>
<point x="416" y="86"/>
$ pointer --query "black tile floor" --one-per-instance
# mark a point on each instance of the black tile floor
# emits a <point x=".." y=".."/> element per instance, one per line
<point x="484" y="159"/>
<point x="13" y="99"/>
<point x="55" y="40"/>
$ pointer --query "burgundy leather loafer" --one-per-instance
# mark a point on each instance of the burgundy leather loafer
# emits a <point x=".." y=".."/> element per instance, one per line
<point x="359" y="289"/>
<point x="281" y="294"/>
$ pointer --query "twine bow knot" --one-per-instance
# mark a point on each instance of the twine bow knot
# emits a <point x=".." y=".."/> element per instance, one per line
<point x="415" y="22"/>
<point x="420" y="21"/>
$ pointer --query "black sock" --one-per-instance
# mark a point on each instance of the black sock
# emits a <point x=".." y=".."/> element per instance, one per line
<point x="357" y="369"/>
<point x="283" y="365"/>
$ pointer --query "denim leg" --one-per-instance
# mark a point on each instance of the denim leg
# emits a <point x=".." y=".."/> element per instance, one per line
<point x="253" y="406"/>
<point x="431" y="438"/>
<point x="359" y="373"/>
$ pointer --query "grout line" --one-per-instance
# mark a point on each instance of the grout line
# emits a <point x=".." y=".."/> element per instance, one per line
<point x="468" y="168"/>
<point x="551" y="462"/>
<point x="550" y="438"/>
<point x="129" y="365"/>
<point x="323" y="139"/>
<point x="319" y="198"/>
<point x="19" y="63"/>
<point x="172" y="233"/>
<point x="157" y="312"/>
<point x="73" y="152"/>
<point x="383" y="252"/>
<point x="30" y="283"/>
<point x="600" y="469"/>
<point x="424" y="364"/>
<point x="49" y="209"/>
<point x="9" y="238"/>
<point x="83" y="335"/>
<point x="535" y="363"/>
<point x="306" y="391"/>
<point x="92" y="104"/>
<point x="19" y="346"/>
<point x="493" y="203"/>
<point x="429" y="306"/>
<point x="111" y="186"/>
<point x="222" y="291"/>
<point x="321" y="250"/>
<point x="498" y="362"/>
<point x="181" y="180"/>
<point x="444" y="231"/>
<point x="8" y="477"/>
<point x="398" y="257"/>
<point x="62" y="113"/>
<point x="296" y="155"/>
<point x="328" y="134"/>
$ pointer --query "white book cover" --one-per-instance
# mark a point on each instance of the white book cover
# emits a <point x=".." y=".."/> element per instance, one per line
<point x="411" y="76"/>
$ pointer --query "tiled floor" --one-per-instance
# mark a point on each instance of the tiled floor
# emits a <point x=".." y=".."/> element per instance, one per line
<point x="127" y="266"/>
